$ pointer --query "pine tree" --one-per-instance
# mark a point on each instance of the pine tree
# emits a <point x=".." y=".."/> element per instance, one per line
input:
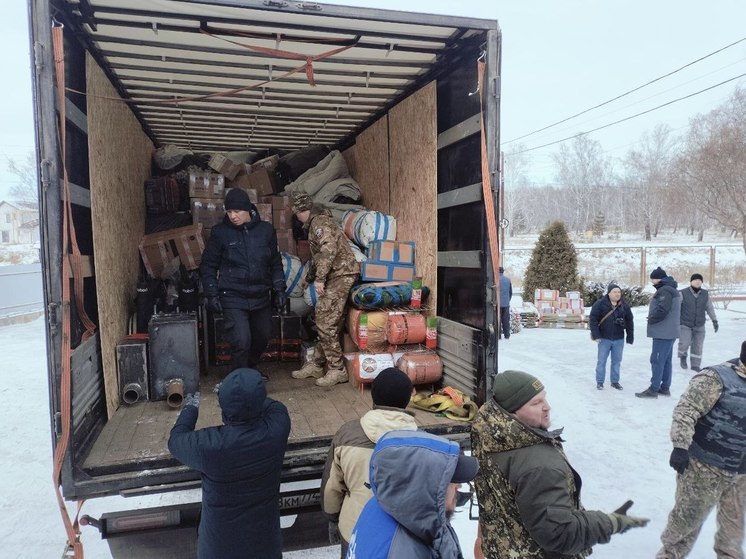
<point x="599" y="224"/>
<point x="553" y="264"/>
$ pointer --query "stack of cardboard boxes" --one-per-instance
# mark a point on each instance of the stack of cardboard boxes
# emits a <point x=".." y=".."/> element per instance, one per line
<point x="559" y="312"/>
<point x="206" y="193"/>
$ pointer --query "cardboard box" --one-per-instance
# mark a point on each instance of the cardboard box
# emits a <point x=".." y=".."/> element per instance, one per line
<point x="206" y="185"/>
<point x="241" y="181"/>
<point x="282" y="219"/>
<point x="268" y="164"/>
<point x="397" y="252"/>
<point x="286" y="241"/>
<point x="253" y="197"/>
<point x="263" y="181"/>
<point x="573" y="295"/>
<point x="158" y="250"/>
<point x="304" y="250"/>
<point x="546" y="294"/>
<point x="281" y="202"/>
<point x="207" y="211"/>
<point x="374" y="270"/>
<point x="224" y="166"/>
<point x="265" y="212"/>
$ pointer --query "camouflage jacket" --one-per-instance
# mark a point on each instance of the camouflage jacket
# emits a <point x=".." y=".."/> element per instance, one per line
<point x="330" y="250"/>
<point x="529" y="495"/>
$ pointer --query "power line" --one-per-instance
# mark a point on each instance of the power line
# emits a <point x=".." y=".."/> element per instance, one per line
<point x="626" y="93"/>
<point x="630" y="117"/>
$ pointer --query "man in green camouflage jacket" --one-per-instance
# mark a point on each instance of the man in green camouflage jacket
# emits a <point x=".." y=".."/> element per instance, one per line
<point x="529" y="494"/>
<point x="333" y="270"/>
<point x="709" y="438"/>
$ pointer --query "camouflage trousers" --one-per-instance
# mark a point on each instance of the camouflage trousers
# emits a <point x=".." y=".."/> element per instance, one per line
<point x="330" y="312"/>
<point x="698" y="490"/>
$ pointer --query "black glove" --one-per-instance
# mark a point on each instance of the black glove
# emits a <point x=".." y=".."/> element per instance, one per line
<point x="621" y="521"/>
<point x="335" y="538"/>
<point x="630" y="339"/>
<point x="679" y="460"/>
<point x="715" y="325"/>
<point x="213" y="303"/>
<point x="192" y="400"/>
<point x="281" y="299"/>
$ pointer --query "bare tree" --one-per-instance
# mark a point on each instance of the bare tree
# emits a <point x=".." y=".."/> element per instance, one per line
<point x="648" y="173"/>
<point x="516" y="185"/>
<point x="582" y="170"/>
<point x="714" y="164"/>
<point x="26" y="189"/>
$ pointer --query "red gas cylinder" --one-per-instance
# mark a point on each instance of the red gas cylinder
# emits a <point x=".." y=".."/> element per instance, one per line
<point x="406" y="329"/>
<point x="422" y="367"/>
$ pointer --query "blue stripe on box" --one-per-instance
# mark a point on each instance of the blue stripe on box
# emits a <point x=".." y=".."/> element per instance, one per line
<point x="366" y="275"/>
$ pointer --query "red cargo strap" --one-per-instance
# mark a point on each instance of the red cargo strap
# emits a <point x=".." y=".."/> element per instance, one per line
<point x="69" y="243"/>
<point x="489" y="203"/>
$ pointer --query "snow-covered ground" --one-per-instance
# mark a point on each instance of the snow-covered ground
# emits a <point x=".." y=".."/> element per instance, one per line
<point x="618" y="443"/>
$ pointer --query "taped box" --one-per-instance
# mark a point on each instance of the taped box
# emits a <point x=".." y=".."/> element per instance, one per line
<point x="268" y="163"/>
<point x="206" y="185"/>
<point x="286" y="241"/>
<point x="207" y="211"/>
<point x="374" y="270"/>
<point x="282" y="219"/>
<point x="281" y="202"/>
<point x="265" y="212"/>
<point x="546" y="294"/>
<point x="263" y="181"/>
<point x="396" y="252"/>
<point x="158" y="250"/>
<point x="224" y="166"/>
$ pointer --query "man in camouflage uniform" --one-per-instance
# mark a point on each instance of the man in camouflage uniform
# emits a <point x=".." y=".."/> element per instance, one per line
<point x="333" y="270"/>
<point x="709" y="438"/>
<point x="529" y="494"/>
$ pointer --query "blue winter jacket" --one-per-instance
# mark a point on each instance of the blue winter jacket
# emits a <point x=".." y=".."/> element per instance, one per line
<point x="406" y="519"/>
<point x="240" y="463"/>
<point x="664" y="314"/>
<point x="506" y="291"/>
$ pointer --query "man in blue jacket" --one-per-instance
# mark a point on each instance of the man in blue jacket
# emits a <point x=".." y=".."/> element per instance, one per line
<point x="240" y="268"/>
<point x="415" y="477"/>
<point x="610" y="318"/>
<point x="506" y="294"/>
<point x="664" y="317"/>
<point x="240" y="464"/>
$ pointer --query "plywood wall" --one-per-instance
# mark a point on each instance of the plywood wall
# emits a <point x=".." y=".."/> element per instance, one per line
<point x="119" y="159"/>
<point x="413" y="149"/>
<point x="371" y="162"/>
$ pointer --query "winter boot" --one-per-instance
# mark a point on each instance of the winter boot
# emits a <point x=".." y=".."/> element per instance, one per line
<point x="682" y="361"/>
<point x="332" y="377"/>
<point x="617" y="386"/>
<point x="309" y="370"/>
<point x="696" y="369"/>
<point x="600" y="386"/>
<point x="649" y="393"/>
<point x="664" y="392"/>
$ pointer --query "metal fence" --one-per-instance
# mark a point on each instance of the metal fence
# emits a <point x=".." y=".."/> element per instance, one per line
<point x="20" y="290"/>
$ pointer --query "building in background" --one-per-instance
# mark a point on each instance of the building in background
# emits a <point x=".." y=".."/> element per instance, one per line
<point x="19" y="223"/>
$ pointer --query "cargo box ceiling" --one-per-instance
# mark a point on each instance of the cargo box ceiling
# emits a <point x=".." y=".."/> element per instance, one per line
<point x="233" y="75"/>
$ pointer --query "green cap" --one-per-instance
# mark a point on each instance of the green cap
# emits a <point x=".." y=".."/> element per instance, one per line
<point x="512" y="389"/>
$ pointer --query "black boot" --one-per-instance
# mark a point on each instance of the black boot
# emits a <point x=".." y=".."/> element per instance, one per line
<point x="664" y="392"/>
<point x="696" y="369"/>
<point x="649" y="393"/>
<point x="682" y="360"/>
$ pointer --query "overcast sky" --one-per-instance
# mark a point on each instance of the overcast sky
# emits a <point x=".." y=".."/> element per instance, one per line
<point x="560" y="57"/>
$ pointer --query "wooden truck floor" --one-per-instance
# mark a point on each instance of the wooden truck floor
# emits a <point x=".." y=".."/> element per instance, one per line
<point x="139" y="433"/>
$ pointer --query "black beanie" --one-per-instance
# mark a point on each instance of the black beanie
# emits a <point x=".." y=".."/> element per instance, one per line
<point x="392" y="388"/>
<point x="237" y="199"/>
<point x="696" y="277"/>
<point x="512" y="389"/>
<point x="658" y="273"/>
<point x="612" y="286"/>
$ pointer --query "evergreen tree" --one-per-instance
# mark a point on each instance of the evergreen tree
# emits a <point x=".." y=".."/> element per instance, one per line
<point x="553" y="264"/>
<point x="599" y="223"/>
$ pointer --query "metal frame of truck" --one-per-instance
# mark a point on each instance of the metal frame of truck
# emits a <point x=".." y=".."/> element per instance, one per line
<point x="403" y="51"/>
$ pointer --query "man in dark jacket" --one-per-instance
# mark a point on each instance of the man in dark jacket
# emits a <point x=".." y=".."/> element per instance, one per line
<point x="610" y="318"/>
<point x="240" y="464"/>
<point x="529" y="494"/>
<point x="664" y="317"/>
<point x="695" y="301"/>
<point x="415" y="477"/>
<point x="240" y="267"/>
<point x="506" y="294"/>
<point x="709" y="455"/>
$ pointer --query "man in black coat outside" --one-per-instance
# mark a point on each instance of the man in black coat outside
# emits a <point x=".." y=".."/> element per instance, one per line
<point x="610" y="318"/>
<point x="240" y="267"/>
<point x="240" y="464"/>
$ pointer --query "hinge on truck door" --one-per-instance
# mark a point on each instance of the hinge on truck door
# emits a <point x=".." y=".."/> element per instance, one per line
<point x="38" y="59"/>
<point x="275" y="4"/>
<point x="52" y="317"/>
<point x="57" y="424"/>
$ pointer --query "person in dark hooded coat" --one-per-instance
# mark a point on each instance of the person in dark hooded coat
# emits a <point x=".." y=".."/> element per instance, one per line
<point x="240" y="267"/>
<point x="240" y="464"/>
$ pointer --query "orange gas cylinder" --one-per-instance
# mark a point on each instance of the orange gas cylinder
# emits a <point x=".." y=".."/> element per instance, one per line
<point x="406" y="329"/>
<point x="422" y="367"/>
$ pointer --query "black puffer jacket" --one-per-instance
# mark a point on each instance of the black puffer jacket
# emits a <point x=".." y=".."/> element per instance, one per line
<point x="242" y="264"/>
<point x="240" y="463"/>
<point x="611" y="329"/>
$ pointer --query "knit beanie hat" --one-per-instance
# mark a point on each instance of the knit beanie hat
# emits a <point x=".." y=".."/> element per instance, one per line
<point x="392" y="388"/>
<point x="612" y="286"/>
<point x="658" y="273"/>
<point x="237" y="199"/>
<point x="696" y="277"/>
<point x="512" y="389"/>
<point x="302" y="202"/>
